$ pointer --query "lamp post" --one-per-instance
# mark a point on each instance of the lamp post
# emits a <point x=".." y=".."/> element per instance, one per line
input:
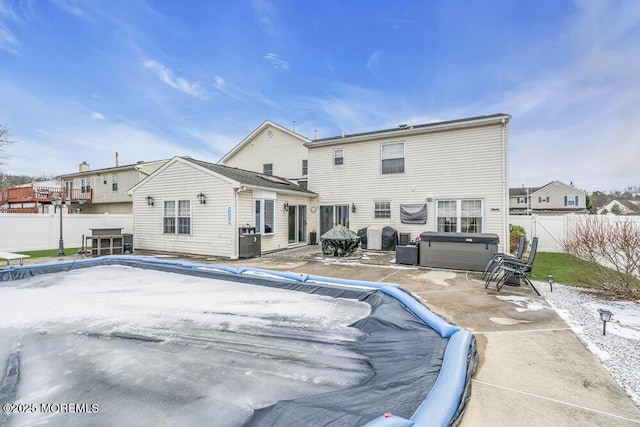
<point x="58" y="202"/>
<point x="550" y="279"/>
<point x="605" y="316"/>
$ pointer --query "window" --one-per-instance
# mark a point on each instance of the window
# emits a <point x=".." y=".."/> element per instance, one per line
<point x="447" y="216"/>
<point x="114" y="182"/>
<point x="522" y="200"/>
<point x="392" y="156"/>
<point x="571" y="200"/>
<point x="460" y="216"/>
<point x="382" y="210"/>
<point x="471" y="216"/>
<point x="265" y="216"/>
<point x="85" y="186"/>
<point x="267" y="168"/>
<point x="305" y="167"/>
<point x="543" y="199"/>
<point x="338" y="156"/>
<point x="177" y="217"/>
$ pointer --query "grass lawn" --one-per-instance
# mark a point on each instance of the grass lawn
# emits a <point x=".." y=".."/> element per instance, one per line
<point x="566" y="269"/>
<point x="49" y="252"/>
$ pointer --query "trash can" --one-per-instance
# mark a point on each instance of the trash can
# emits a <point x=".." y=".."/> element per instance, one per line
<point x="458" y="251"/>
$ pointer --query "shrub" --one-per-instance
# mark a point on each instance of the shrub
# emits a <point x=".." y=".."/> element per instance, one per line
<point x="514" y="237"/>
<point x="612" y="245"/>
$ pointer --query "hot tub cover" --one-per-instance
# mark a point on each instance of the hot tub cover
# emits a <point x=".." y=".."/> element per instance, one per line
<point x="339" y="241"/>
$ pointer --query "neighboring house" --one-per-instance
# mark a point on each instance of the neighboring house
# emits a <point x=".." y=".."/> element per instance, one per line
<point x="192" y="206"/>
<point x="105" y="190"/>
<point x="273" y="150"/>
<point x="32" y="198"/>
<point x="620" y="207"/>
<point x="448" y="177"/>
<point x="551" y="199"/>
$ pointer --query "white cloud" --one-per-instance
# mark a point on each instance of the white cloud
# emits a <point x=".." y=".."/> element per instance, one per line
<point x="265" y="15"/>
<point x="276" y="62"/>
<point x="373" y="64"/>
<point x="8" y="41"/>
<point x="165" y="75"/>
<point x="240" y="94"/>
<point x="97" y="116"/>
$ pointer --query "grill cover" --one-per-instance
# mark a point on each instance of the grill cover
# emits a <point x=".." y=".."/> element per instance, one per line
<point x="339" y="241"/>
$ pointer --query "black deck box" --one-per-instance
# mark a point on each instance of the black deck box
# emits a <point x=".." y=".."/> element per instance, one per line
<point x="407" y="255"/>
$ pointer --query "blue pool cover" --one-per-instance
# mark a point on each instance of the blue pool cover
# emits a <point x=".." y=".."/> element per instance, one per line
<point x="422" y="363"/>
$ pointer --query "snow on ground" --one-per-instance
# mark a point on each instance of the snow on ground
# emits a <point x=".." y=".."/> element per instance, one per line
<point x="619" y="349"/>
<point x="199" y="346"/>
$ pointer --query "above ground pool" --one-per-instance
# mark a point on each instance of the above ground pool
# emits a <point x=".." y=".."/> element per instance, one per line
<point x="125" y="340"/>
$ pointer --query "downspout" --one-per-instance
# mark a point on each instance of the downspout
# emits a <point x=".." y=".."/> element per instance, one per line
<point x="505" y="186"/>
<point x="234" y="223"/>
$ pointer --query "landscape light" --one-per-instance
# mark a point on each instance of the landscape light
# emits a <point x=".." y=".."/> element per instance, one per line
<point x="605" y="316"/>
<point x="550" y="279"/>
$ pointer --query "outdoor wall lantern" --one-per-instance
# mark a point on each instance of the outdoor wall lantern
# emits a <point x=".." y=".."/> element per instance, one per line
<point x="605" y="316"/>
<point x="353" y="207"/>
<point x="550" y="279"/>
<point x="286" y="206"/>
<point x="149" y="200"/>
<point x="202" y="198"/>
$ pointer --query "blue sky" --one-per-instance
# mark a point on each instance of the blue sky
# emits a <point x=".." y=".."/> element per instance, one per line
<point x="82" y="79"/>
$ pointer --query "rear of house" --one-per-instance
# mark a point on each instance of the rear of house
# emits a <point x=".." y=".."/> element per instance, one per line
<point x="447" y="177"/>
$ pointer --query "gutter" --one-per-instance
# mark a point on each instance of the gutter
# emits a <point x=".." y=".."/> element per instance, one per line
<point x="409" y="131"/>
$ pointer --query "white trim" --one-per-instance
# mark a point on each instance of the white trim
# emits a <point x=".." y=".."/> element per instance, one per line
<point x="458" y="201"/>
<point x="390" y="209"/>
<point x="404" y="158"/>
<point x="333" y="158"/>
<point x="176" y="216"/>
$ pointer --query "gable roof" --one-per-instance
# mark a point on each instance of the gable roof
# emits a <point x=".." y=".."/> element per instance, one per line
<point x="522" y="191"/>
<point x="629" y="206"/>
<point x="253" y="134"/>
<point x="236" y="176"/>
<point x="405" y="130"/>
<point x="558" y="183"/>
<point x="110" y="169"/>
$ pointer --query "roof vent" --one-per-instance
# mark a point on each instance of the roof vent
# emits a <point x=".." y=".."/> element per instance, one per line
<point x="403" y="126"/>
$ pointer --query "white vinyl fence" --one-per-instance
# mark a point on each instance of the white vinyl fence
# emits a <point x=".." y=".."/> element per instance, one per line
<point x="551" y="230"/>
<point x="28" y="232"/>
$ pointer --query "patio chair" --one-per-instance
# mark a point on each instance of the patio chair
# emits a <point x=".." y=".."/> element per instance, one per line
<point x="497" y="257"/>
<point x="514" y="271"/>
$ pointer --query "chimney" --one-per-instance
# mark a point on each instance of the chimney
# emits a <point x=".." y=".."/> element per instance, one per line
<point x="116" y="159"/>
<point x="84" y="167"/>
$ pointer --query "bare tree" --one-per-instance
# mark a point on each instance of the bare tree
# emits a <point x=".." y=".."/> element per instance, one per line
<point x="5" y="139"/>
<point x="613" y="246"/>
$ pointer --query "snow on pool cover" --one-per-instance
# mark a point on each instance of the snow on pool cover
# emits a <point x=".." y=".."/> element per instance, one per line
<point x="127" y="341"/>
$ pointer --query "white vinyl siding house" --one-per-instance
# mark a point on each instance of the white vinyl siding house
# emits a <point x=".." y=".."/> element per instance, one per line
<point x="270" y="144"/>
<point x="552" y="198"/>
<point x="177" y="221"/>
<point x="458" y="169"/>
<point x="107" y="188"/>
